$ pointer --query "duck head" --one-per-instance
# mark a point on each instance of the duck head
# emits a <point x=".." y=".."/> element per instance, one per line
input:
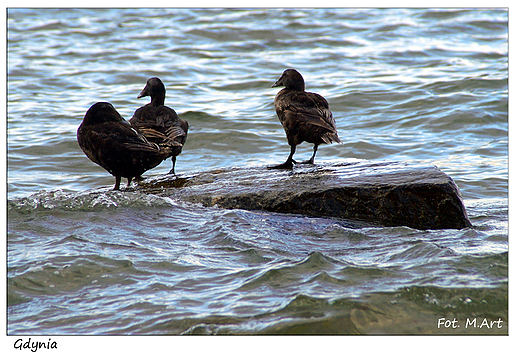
<point x="291" y="79"/>
<point x="101" y="112"/>
<point x="154" y="88"/>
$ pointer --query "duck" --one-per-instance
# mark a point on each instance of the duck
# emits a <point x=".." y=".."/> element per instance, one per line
<point x="305" y="116"/>
<point x="111" y="142"/>
<point x="159" y="123"/>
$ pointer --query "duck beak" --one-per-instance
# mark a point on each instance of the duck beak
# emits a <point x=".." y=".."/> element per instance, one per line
<point x="143" y="93"/>
<point x="276" y="84"/>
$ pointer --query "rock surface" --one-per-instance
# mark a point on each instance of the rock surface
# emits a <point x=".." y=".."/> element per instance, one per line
<point x="383" y="194"/>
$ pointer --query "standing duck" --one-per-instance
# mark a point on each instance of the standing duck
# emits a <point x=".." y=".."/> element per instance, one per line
<point x="109" y="141"/>
<point x="159" y="123"/>
<point x="305" y="116"/>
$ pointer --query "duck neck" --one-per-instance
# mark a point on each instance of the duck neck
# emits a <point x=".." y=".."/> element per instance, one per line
<point x="297" y="86"/>
<point x="158" y="100"/>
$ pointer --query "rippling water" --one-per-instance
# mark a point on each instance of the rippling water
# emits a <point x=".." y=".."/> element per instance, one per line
<point x="422" y="85"/>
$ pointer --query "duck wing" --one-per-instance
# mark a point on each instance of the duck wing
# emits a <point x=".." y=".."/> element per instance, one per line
<point x="152" y="134"/>
<point x="174" y="128"/>
<point x="312" y="105"/>
<point x="119" y="135"/>
<point x="120" y="149"/>
<point x="144" y="117"/>
<point x="162" y="138"/>
<point x="160" y="125"/>
<point x="305" y="107"/>
<point x="313" y="119"/>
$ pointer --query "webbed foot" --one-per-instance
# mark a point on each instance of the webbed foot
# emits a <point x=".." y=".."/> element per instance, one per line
<point x="287" y="165"/>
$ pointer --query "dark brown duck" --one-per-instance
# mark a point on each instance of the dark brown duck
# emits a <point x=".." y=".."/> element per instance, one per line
<point x="159" y="123"/>
<point x="111" y="142"/>
<point x="305" y="116"/>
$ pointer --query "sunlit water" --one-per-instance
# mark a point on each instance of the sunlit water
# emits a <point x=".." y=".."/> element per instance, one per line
<point x="421" y="85"/>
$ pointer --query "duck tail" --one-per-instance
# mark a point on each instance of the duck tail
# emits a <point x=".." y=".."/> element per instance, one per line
<point x="330" y="138"/>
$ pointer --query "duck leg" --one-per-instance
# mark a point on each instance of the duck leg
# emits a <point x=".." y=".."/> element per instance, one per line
<point x="129" y="181"/>
<point x="311" y="161"/>
<point x="172" y="171"/>
<point x="118" y="182"/>
<point x="288" y="163"/>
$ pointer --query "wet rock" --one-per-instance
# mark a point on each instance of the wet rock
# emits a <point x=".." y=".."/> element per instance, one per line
<point x="387" y="194"/>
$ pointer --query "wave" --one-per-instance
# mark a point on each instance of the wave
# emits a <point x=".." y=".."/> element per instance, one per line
<point x="100" y="199"/>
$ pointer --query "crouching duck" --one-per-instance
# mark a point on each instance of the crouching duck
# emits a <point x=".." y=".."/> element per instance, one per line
<point x="111" y="142"/>
<point x="305" y="116"/>
<point x="159" y="123"/>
